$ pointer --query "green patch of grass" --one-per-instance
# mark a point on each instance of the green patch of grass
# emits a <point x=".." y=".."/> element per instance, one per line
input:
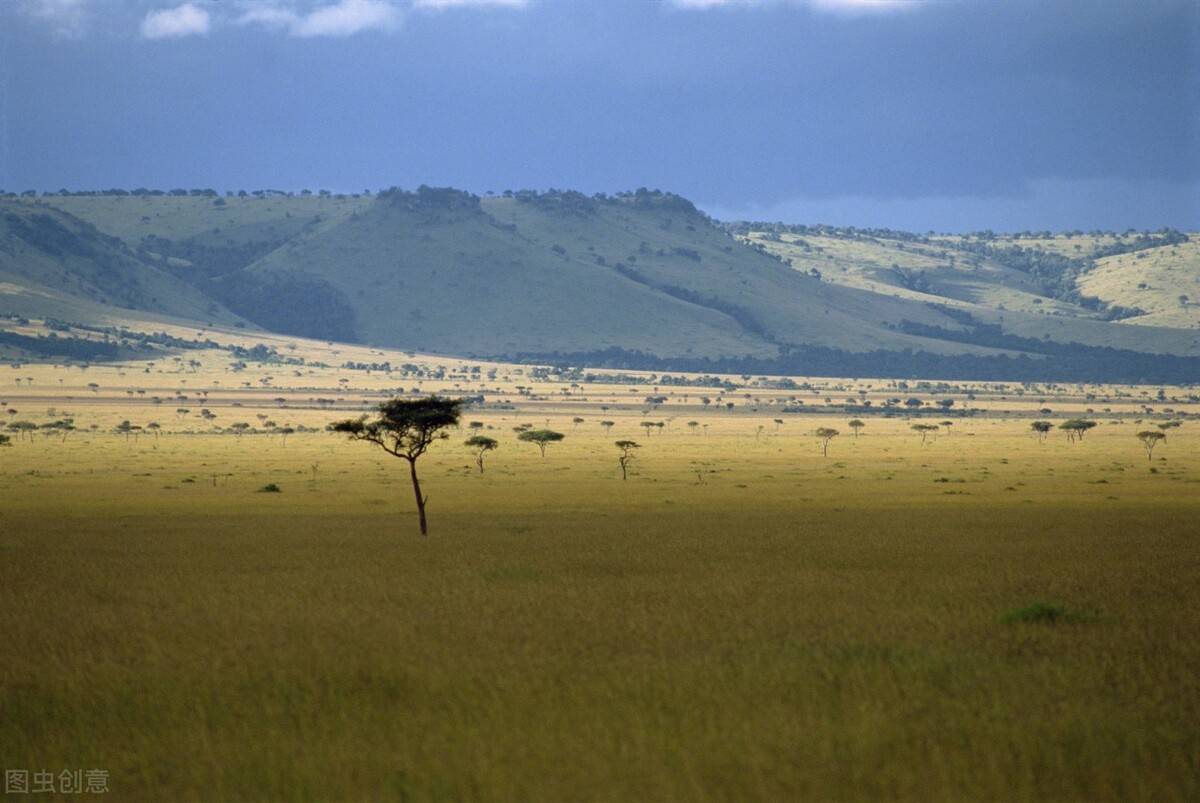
<point x="1048" y="613"/>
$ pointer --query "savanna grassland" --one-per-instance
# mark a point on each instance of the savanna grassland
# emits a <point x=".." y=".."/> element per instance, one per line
<point x="983" y="616"/>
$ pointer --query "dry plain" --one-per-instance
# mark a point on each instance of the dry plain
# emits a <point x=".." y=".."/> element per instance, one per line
<point x="985" y="616"/>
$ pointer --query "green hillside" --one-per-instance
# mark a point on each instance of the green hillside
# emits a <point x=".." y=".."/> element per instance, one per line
<point x="1068" y="288"/>
<point x="1162" y="281"/>
<point x="636" y="279"/>
<point x="55" y="264"/>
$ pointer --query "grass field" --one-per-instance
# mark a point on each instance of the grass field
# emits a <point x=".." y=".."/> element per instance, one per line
<point x="983" y="617"/>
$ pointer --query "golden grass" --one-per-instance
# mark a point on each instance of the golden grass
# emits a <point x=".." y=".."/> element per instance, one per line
<point x="776" y="626"/>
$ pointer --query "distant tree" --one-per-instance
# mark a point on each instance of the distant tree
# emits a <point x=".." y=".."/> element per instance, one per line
<point x="1041" y="428"/>
<point x="606" y="426"/>
<point x="925" y="430"/>
<point x="576" y="421"/>
<point x="240" y="428"/>
<point x="1164" y="426"/>
<point x="1150" y="439"/>
<point x="284" y="432"/>
<point x="5" y="440"/>
<point x="1076" y="428"/>
<point x="125" y="428"/>
<point x="947" y="425"/>
<point x="778" y="423"/>
<point x="693" y="425"/>
<point x="648" y="426"/>
<point x="856" y="425"/>
<point x="914" y="403"/>
<point x="541" y="437"/>
<point x="825" y="435"/>
<point x="482" y="445"/>
<point x="155" y="428"/>
<point x="405" y="428"/>
<point x="627" y="455"/>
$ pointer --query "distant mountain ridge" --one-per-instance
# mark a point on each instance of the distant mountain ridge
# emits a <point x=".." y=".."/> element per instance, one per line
<point x="635" y="277"/>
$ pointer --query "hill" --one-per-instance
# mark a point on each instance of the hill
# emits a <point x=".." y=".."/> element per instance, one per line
<point x="640" y="279"/>
<point x="54" y="264"/>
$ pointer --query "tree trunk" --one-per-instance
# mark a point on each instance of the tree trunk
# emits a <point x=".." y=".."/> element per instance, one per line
<point x="412" y="470"/>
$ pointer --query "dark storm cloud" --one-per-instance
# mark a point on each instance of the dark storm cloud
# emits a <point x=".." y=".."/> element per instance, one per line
<point x="763" y="106"/>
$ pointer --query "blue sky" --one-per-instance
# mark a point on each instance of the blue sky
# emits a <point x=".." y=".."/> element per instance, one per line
<point x="935" y="114"/>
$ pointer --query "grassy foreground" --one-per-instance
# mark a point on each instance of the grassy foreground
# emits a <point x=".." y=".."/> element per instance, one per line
<point x="776" y="626"/>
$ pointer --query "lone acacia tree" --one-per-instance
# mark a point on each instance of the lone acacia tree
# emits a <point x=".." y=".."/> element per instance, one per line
<point x="856" y="425"/>
<point x="1041" y="428"/>
<point x="405" y="428"/>
<point x="627" y="456"/>
<point x="482" y="444"/>
<point x="541" y="437"/>
<point x="825" y="435"/>
<point x="1076" y="428"/>
<point x="1150" y="439"/>
<point x="925" y="430"/>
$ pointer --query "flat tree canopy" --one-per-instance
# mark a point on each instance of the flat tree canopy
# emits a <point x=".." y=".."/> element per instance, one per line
<point x="482" y="444"/>
<point x="1150" y="439"/>
<point x="405" y="428"/>
<point x="541" y="437"/>
<point x="1076" y="427"/>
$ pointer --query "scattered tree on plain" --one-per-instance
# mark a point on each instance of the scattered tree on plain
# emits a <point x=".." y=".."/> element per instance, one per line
<point x="856" y="426"/>
<point x="1041" y="428"/>
<point x="1076" y="428"/>
<point x="627" y="456"/>
<point x="405" y="428"/>
<point x="541" y="437"/>
<point x="482" y="444"/>
<point x="825" y="435"/>
<point x="1150" y="439"/>
<point x="925" y="429"/>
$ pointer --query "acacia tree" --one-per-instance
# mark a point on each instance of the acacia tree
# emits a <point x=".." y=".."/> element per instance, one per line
<point x="627" y="456"/>
<point x="825" y="435"/>
<point x="1076" y="427"/>
<point x="541" y="437"/>
<point x="482" y="444"/>
<point x="856" y="425"/>
<point x="1150" y="439"/>
<point x="405" y="428"/>
<point x="606" y="426"/>
<point x="5" y="440"/>
<point x="1041" y="428"/>
<point x="925" y="430"/>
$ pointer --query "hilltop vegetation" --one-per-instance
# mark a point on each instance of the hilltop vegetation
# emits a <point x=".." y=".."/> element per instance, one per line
<point x="637" y="279"/>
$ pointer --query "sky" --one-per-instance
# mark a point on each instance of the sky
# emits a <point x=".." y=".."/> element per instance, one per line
<point x="943" y="115"/>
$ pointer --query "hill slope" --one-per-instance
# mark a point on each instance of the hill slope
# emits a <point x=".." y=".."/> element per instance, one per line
<point x="52" y="263"/>
<point x="640" y="278"/>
